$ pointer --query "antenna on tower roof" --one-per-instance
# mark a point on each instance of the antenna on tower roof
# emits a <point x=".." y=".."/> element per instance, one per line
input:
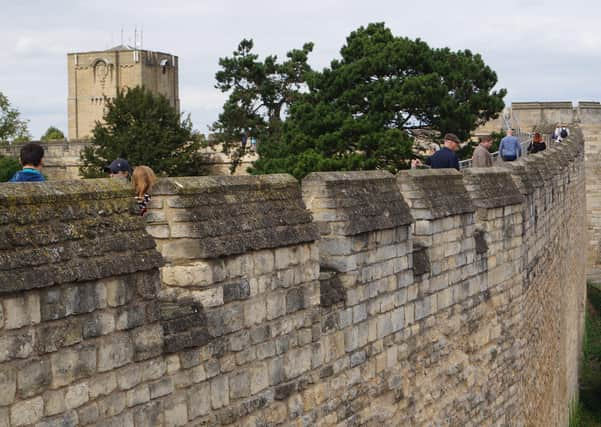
<point x="142" y="37"/>
<point x="121" y="36"/>
<point x="135" y="37"/>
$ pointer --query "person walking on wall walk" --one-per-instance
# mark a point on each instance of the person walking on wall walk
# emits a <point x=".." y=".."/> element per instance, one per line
<point x="510" y="148"/>
<point x="481" y="157"/>
<point x="445" y="157"/>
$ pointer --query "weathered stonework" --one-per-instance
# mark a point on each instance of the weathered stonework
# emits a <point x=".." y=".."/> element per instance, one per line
<point x="358" y="298"/>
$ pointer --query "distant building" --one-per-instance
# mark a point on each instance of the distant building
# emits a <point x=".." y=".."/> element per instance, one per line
<point x="95" y="77"/>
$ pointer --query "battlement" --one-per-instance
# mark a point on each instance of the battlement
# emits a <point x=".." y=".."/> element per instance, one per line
<point x="363" y="298"/>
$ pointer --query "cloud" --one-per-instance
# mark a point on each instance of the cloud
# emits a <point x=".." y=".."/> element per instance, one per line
<point x="540" y="50"/>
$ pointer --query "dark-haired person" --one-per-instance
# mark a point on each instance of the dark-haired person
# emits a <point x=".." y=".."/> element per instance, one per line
<point x="481" y="157"/>
<point x="32" y="156"/>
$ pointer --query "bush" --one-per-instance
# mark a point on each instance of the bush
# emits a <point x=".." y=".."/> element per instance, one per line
<point x="8" y="167"/>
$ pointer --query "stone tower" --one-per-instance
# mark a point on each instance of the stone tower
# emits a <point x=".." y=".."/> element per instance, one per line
<point x="95" y="77"/>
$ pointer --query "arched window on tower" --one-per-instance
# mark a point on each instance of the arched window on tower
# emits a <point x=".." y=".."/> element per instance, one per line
<point x="164" y="64"/>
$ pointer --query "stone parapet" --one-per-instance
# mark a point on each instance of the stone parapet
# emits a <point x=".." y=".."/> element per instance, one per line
<point x="356" y="298"/>
<point x="210" y="217"/>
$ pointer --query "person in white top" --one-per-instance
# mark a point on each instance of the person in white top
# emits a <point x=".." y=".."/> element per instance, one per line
<point x="561" y="132"/>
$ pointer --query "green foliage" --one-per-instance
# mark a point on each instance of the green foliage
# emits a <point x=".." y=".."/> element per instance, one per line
<point x="146" y="130"/>
<point x="52" y="133"/>
<point x="8" y="167"/>
<point x="12" y="127"/>
<point x="360" y="112"/>
<point x="260" y="93"/>
<point x="588" y="412"/>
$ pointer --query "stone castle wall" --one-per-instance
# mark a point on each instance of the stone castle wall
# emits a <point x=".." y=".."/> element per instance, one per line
<point x="356" y="298"/>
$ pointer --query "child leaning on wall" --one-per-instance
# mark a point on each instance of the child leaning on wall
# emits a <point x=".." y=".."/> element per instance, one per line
<point x="143" y="179"/>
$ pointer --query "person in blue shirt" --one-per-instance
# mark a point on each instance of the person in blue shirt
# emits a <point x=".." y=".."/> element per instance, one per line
<point x="510" y="148"/>
<point x="32" y="156"/>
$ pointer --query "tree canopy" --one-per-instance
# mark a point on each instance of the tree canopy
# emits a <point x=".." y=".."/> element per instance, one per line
<point x="12" y="126"/>
<point x="52" y="133"/>
<point x="361" y="111"/>
<point x="260" y="92"/>
<point x="145" y="129"/>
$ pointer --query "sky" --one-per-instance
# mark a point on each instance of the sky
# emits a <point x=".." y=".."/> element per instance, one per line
<point x="541" y="51"/>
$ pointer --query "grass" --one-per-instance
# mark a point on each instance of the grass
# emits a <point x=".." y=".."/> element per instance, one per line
<point x="587" y="413"/>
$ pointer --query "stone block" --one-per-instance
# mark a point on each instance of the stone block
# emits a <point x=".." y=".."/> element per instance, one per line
<point x="260" y="334"/>
<point x="69" y="419"/>
<point x="158" y="231"/>
<point x="72" y="364"/>
<point x="88" y="414"/>
<point x="239" y="290"/>
<point x="153" y="369"/>
<point x="51" y="337"/>
<point x="116" y="293"/>
<point x="264" y="262"/>
<point x="276" y="413"/>
<point x="8" y="384"/>
<point x="255" y="312"/>
<point x="76" y="395"/>
<point x="5" y="417"/>
<point x="176" y="413"/>
<point x="265" y="350"/>
<point x="150" y="414"/>
<point x="98" y="324"/>
<point x="276" y="371"/>
<point x="54" y="402"/>
<point x="297" y="362"/>
<point x="102" y="385"/>
<point x="219" y="392"/>
<point x="198" y="374"/>
<point x="384" y="325"/>
<point x="16" y="345"/>
<point x="199" y="400"/>
<point x="246" y="356"/>
<point x="129" y="376"/>
<point x="239" y="385"/>
<point x="33" y="377"/>
<point x="357" y="358"/>
<point x="111" y="405"/>
<point x="147" y="341"/>
<point x="22" y="310"/>
<point x="161" y="388"/>
<point x="259" y="378"/>
<point x="197" y="274"/>
<point x="212" y="297"/>
<point x="276" y="305"/>
<point x="138" y="395"/>
<point x="295" y="300"/>
<point x="285" y="257"/>
<point x="239" y="341"/>
<point x="115" y="351"/>
<point x="398" y="319"/>
<point x="27" y="412"/>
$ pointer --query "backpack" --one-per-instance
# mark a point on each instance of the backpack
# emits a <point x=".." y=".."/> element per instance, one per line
<point x="563" y="133"/>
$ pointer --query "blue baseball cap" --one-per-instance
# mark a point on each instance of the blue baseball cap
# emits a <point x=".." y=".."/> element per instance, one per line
<point x="118" y="165"/>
